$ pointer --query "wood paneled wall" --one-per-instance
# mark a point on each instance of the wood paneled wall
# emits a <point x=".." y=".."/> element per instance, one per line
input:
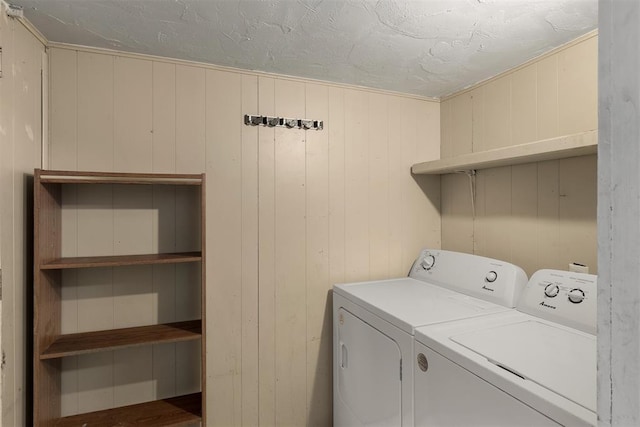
<point x="540" y="215"/>
<point x="20" y="153"/>
<point x="290" y="212"/>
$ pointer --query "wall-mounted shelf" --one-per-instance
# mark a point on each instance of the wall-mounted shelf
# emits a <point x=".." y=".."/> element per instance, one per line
<point x="579" y="144"/>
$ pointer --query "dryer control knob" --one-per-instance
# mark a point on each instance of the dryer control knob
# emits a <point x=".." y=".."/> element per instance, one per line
<point x="576" y="295"/>
<point x="491" y="276"/>
<point x="551" y="290"/>
<point x="428" y="262"/>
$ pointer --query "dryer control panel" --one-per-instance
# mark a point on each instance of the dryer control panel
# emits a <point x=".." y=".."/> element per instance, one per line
<point x="563" y="297"/>
<point x="489" y="279"/>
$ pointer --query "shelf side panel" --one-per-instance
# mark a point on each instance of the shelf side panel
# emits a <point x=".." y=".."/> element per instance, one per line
<point x="203" y="299"/>
<point x="47" y="387"/>
<point x="47" y="220"/>
<point x="46" y="405"/>
<point x="46" y="300"/>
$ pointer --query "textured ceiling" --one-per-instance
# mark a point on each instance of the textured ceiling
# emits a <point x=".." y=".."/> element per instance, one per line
<point x="426" y="47"/>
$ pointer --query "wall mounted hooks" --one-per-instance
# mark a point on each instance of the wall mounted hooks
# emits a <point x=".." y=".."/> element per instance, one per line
<point x="269" y="121"/>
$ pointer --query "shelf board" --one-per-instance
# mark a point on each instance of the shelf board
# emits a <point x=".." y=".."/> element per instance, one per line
<point x="120" y="260"/>
<point x="579" y="144"/>
<point x="113" y="339"/>
<point x="70" y="177"/>
<point x="175" y="411"/>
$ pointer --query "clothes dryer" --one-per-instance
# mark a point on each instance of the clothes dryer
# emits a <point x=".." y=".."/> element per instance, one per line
<point x="533" y="366"/>
<point x="374" y="323"/>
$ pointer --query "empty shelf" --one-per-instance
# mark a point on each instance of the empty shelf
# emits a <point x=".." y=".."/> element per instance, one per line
<point x="579" y="144"/>
<point x="120" y="260"/>
<point x="112" y="339"/>
<point x="175" y="411"/>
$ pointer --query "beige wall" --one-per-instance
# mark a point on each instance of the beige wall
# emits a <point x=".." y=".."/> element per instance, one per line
<point x="540" y="215"/>
<point x="20" y="153"/>
<point x="289" y="212"/>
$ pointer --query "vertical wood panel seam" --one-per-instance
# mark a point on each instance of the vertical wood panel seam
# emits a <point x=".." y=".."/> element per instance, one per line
<point x="76" y="116"/>
<point x="113" y="225"/>
<point x="242" y="234"/>
<point x="153" y="131"/>
<point x="175" y="119"/>
<point x="344" y="183"/>
<point x="537" y="102"/>
<point x="77" y="231"/>
<point x="274" y="245"/>
<point x="557" y="92"/>
<point x="510" y="119"/>
<point x="306" y="264"/>
<point x="275" y="257"/>
<point x="175" y="214"/>
<point x="154" y="390"/>
<point x="258" y="243"/>
<point x="366" y="166"/>
<point x="113" y="113"/>
<point x="387" y="180"/>
<point x="203" y="194"/>
<point x="511" y="216"/>
<point x="388" y="231"/>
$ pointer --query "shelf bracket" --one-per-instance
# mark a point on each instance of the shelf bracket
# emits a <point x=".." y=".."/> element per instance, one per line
<point x="471" y="174"/>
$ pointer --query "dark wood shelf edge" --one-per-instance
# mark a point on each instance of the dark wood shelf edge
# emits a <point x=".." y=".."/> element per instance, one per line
<point x="113" y="339"/>
<point x="121" y="260"/>
<point x="174" y="411"/>
<point x="73" y="177"/>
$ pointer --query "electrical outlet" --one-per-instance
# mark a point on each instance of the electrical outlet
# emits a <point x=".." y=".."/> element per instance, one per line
<point x="578" y="268"/>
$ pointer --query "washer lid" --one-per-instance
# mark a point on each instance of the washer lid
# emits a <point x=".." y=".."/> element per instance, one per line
<point x="523" y="348"/>
<point x="408" y="303"/>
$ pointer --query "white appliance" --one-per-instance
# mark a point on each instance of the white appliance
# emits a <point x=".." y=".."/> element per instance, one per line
<point x="374" y="323"/>
<point x="533" y="366"/>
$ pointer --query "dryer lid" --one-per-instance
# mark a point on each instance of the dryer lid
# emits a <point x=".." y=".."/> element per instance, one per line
<point x="408" y="303"/>
<point x="558" y="359"/>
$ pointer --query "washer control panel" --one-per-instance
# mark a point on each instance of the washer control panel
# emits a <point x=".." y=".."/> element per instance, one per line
<point x="485" y="278"/>
<point x="563" y="297"/>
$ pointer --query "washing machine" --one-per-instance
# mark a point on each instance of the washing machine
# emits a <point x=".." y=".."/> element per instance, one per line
<point x="533" y="366"/>
<point x="374" y="324"/>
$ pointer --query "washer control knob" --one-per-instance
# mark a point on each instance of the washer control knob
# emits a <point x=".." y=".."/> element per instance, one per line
<point x="576" y="295"/>
<point x="428" y="262"/>
<point x="551" y="290"/>
<point x="491" y="276"/>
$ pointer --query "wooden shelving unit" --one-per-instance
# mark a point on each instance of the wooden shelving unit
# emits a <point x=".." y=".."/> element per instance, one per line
<point x="51" y="345"/>
<point x="580" y="144"/>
